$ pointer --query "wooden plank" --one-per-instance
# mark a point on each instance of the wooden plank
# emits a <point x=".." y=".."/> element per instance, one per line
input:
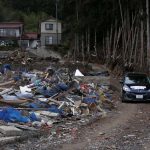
<point x="7" y="83"/>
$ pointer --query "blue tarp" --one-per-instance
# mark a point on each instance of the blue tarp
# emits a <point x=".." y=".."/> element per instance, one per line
<point x="38" y="104"/>
<point x="88" y="100"/>
<point x="13" y="115"/>
<point x="54" y="90"/>
<point x="54" y="108"/>
<point x="5" y="67"/>
<point x="33" y="117"/>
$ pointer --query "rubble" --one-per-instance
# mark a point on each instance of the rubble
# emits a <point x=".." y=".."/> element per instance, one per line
<point x="37" y="99"/>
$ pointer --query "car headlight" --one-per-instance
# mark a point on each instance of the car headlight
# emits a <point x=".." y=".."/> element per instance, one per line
<point x="126" y="88"/>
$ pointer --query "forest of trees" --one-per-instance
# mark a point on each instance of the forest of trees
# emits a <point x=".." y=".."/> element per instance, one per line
<point x="114" y="32"/>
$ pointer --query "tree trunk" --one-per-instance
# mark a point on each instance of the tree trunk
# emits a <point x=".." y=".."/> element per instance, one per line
<point x="88" y="44"/>
<point x="142" y="44"/>
<point x="95" y="43"/>
<point x="136" y="48"/>
<point x="83" y="56"/>
<point x="148" y="36"/>
<point x="133" y="44"/>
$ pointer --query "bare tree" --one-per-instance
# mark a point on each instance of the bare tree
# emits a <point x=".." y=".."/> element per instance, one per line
<point x="148" y="36"/>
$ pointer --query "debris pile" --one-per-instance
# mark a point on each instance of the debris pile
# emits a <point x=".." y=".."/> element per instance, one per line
<point x="37" y="99"/>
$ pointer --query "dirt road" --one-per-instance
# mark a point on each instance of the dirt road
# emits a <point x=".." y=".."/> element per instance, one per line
<point x="126" y="129"/>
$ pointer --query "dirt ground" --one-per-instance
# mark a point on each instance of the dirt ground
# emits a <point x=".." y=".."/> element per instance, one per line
<point x="125" y="128"/>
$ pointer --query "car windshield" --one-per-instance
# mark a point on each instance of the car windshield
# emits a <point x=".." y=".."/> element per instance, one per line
<point x="137" y="79"/>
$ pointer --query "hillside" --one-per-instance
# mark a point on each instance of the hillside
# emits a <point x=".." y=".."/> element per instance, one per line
<point x="115" y="32"/>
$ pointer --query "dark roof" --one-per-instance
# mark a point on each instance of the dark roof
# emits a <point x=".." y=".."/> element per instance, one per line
<point x="10" y="24"/>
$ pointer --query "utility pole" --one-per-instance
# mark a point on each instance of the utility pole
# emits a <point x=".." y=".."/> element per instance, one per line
<point x="148" y="36"/>
<point x="77" y="34"/>
<point x="20" y="38"/>
<point x="56" y="22"/>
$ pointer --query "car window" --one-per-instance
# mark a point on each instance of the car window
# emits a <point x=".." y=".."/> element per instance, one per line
<point x="137" y="80"/>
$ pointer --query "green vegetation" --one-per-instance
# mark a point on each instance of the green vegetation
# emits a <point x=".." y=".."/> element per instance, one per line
<point x="113" y="31"/>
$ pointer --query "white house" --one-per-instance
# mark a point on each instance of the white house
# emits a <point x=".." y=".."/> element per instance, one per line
<point x="51" y="31"/>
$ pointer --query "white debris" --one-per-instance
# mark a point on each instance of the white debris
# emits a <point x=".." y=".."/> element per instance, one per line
<point x="78" y="73"/>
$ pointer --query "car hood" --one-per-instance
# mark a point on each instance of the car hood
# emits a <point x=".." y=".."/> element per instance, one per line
<point x="139" y="86"/>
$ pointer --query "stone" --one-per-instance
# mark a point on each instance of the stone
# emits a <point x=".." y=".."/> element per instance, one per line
<point x="10" y="131"/>
<point x="5" y="140"/>
<point x="23" y="127"/>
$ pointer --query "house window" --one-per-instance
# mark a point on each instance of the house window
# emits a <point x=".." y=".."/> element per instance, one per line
<point x="10" y="32"/>
<point x="48" y="40"/>
<point x="48" y="26"/>
<point x="2" y="32"/>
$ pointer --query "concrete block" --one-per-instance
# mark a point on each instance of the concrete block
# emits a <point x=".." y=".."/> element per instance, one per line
<point x="10" y="131"/>
<point x="23" y="127"/>
<point x="6" y="140"/>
